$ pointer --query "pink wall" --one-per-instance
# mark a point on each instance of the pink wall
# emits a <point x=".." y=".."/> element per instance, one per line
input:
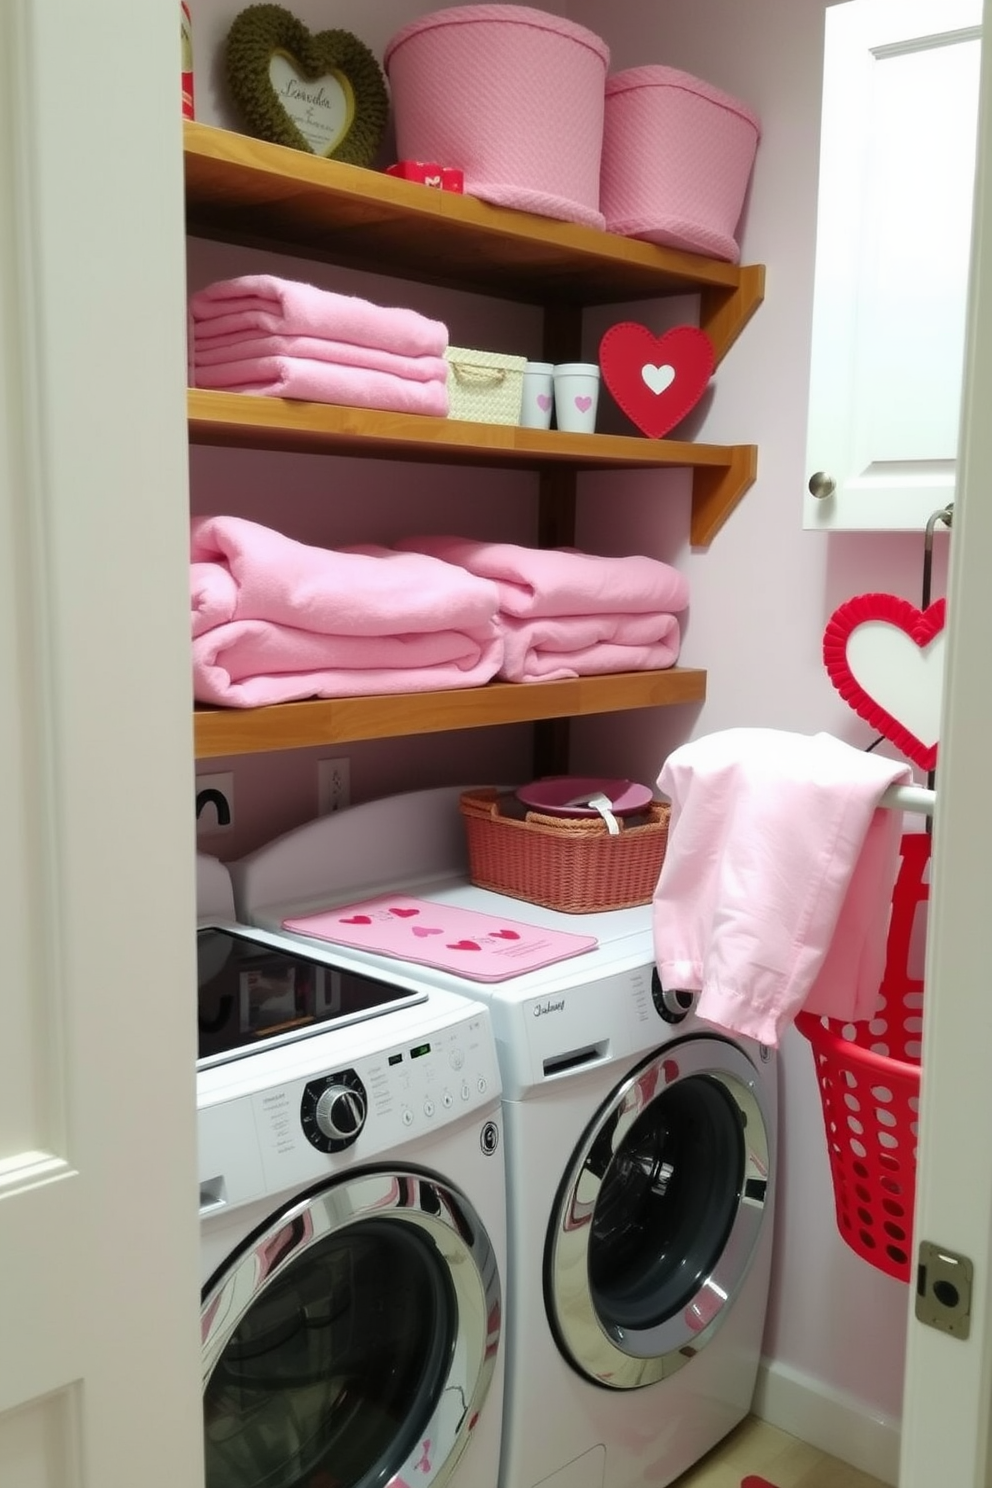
<point x="761" y="593"/>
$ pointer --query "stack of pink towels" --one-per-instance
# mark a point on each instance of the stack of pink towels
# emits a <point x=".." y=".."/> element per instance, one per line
<point x="284" y="339"/>
<point x="274" y="620"/>
<point x="565" y="613"/>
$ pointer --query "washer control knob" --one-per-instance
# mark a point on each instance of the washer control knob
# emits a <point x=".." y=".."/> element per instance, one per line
<point x="340" y="1113"/>
<point x="671" y="1003"/>
<point x="333" y="1110"/>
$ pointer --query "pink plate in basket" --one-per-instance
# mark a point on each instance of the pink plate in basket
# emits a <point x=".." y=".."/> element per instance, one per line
<point x="553" y="797"/>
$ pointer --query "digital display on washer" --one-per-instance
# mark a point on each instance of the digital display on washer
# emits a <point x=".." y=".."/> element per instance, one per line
<point x="250" y="993"/>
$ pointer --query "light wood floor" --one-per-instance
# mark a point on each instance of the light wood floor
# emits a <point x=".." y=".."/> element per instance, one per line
<point x="756" y="1447"/>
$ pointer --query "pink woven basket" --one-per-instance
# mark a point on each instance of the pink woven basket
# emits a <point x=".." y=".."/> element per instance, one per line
<point x="677" y="158"/>
<point x="511" y="96"/>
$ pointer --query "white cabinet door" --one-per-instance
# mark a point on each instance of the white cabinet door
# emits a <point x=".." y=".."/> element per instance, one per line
<point x="897" y="158"/>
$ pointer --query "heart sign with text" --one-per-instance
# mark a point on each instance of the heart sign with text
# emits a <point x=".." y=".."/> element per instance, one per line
<point x="886" y="659"/>
<point x="656" y="380"/>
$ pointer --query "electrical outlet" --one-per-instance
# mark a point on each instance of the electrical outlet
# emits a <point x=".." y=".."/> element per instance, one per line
<point x="333" y="785"/>
<point x="214" y="804"/>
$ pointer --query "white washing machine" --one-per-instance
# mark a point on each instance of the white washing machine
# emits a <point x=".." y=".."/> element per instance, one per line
<point x="353" y="1224"/>
<point x="640" y="1159"/>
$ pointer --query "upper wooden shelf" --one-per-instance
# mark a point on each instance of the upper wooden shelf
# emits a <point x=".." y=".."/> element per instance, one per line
<point x="229" y="731"/>
<point x="721" y="473"/>
<point x="244" y="190"/>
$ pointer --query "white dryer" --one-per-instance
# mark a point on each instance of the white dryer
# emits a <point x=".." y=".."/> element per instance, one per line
<point x="641" y="1161"/>
<point x="352" y="1203"/>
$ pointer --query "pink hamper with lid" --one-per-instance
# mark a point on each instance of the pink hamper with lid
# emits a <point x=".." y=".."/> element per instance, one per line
<point x="677" y="158"/>
<point x="513" y="97"/>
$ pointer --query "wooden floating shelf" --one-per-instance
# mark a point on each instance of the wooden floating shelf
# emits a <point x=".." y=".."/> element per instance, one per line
<point x="721" y="473"/>
<point x="230" y="731"/>
<point x="247" y="191"/>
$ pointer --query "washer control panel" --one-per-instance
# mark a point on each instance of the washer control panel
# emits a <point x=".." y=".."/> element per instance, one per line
<point x="281" y="1117"/>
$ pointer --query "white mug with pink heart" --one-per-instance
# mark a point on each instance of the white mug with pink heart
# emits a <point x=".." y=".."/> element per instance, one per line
<point x="576" y="396"/>
<point x="538" y="395"/>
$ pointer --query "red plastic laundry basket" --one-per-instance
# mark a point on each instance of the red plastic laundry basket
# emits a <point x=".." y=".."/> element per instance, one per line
<point x="869" y="1078"/>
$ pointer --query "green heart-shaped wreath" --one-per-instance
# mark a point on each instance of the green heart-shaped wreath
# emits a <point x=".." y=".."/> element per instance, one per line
<point x="263" y="32"/>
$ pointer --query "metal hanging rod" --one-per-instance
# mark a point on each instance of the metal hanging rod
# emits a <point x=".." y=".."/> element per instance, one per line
<point x="909" y="798"/>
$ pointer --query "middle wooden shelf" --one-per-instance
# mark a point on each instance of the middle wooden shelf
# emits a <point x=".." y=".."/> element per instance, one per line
<point x="721" y="473"/>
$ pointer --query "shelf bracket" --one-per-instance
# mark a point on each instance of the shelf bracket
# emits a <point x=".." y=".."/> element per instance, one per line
<point x="716" y="490"/>
<point x="723" y="313"/>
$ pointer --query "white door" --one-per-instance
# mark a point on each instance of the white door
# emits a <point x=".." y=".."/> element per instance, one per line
<point x="948" y="1387"/>
<point x="99" y="1342"/>
<point x="900" y="93"/>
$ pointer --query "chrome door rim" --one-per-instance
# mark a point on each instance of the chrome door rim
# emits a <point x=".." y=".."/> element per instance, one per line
<point x="625" y="1358"/>
<point x="405" y="1197"/>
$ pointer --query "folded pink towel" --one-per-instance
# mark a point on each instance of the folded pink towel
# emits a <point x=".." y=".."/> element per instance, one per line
<point x="562" y="581"/>
<point x="252" y="663"/>
<point x="240" y="570"/>
<point x="267" y="304"/>
<point x="551" y="647"/>
<point x="325" y="382"/>
<point x="215" y="351"/>
<point x="775" y="890"/>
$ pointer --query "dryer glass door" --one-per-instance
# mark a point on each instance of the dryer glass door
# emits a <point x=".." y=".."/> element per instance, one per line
<point x="350" y="1340"/>
<point x="658" y="1217"/>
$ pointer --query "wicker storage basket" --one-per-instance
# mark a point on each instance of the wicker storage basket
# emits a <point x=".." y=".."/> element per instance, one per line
<point x="569" y="864"/>
<point x="486" y="386"/>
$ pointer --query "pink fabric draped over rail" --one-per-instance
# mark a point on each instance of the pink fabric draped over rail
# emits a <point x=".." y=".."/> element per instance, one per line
<point x="775" y="890"/>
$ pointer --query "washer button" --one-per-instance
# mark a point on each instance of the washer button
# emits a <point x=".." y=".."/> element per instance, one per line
<point x="465" y="1092"/>
<point x="456" y="1058"/>
<point x="482" y="1084"/>
<point x="447" y="1100"/>
<point x="429" y="1107"/>
<point x="407" y="1117"/>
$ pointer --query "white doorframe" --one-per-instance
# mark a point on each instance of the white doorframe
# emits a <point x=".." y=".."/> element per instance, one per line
<point x="948" y="1383"/>
<point x="99" y="1265"/>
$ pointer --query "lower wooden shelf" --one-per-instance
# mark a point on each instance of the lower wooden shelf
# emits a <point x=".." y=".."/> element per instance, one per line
<point x="226" y="731"/>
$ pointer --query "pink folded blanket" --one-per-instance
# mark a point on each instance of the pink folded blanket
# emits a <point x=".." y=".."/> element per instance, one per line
<point x="326" y="382"/>
<point x="777" y="881"/>
<point x="562" y="581"/>
<point x="587" y="645"/>
<point x="215" y="351"/>
<point x="267" y="304"/>
<point x="253" y="663"/>
<point x="240" y="570"/>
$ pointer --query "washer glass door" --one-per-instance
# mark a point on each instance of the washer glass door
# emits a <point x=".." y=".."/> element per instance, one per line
<point x="352" y="1338"/>
<point x="658" y="1217"/>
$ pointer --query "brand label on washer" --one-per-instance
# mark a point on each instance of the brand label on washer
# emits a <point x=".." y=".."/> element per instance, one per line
<point x="489" y="1138"/>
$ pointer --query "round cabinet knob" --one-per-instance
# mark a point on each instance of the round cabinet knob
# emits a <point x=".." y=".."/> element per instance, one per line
<point x="673" y="1004"/>
<point x="340" y="1113"/>
<point x="822" y="485"/>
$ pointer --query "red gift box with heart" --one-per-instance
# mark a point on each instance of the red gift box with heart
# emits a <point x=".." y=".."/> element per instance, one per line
<point x="656" y="380"/>
<point x="429" y="173"/>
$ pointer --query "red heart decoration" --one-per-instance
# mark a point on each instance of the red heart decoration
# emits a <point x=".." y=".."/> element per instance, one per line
<point x="464" y="945"/>
<point x="356" y="920"/>
<point x="880" y="653"/>
<point x="403" y="914"/>
<point x="505" y="935"/>
<point x="656" y="379"/>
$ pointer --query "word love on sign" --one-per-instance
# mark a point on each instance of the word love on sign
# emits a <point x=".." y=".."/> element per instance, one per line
<point x="656" y="380"/>
<point x="886" y="659"/>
